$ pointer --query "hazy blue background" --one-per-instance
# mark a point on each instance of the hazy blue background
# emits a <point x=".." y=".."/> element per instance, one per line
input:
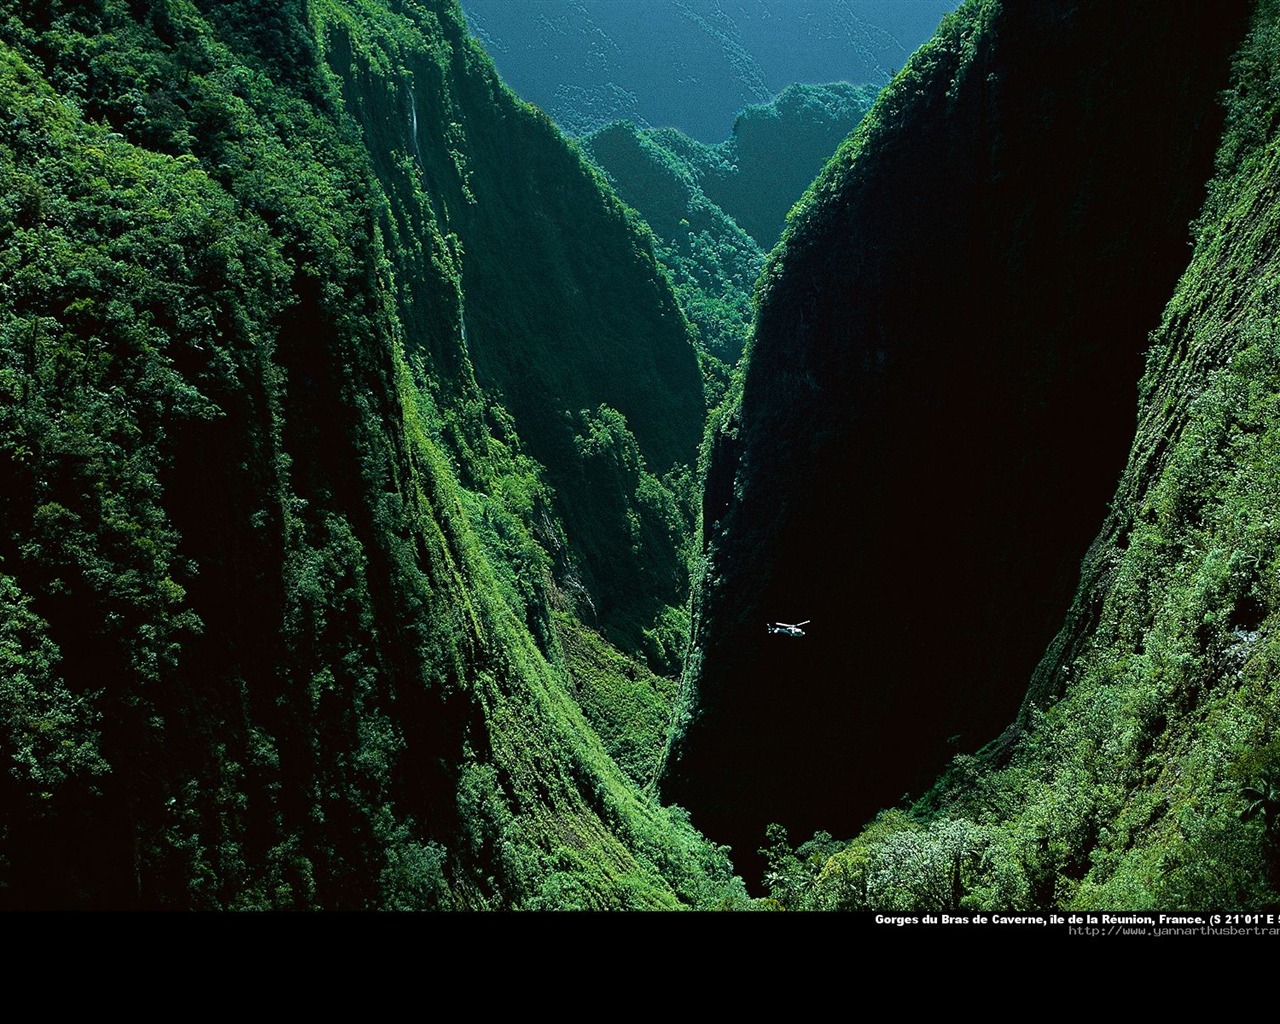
<point x="691" y="64"/>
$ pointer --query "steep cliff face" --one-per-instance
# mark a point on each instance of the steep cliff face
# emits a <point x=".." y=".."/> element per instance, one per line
<point x="275" y="587"/>
<point x="713" y="262"/>
<point x="937" y="403"/>
<point x="1143" y="770"/>
<point x="567" y="319"/>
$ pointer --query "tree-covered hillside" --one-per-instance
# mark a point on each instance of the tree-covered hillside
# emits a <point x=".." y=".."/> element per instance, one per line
<point x="605" y="393"/>
<point x="348" y="420"/>
<point x="278" y="572"/>
<point x="937" y="404"/>
<point x="1143" y="770"/>
<point x="776" y="150"/>
<point x="713" y="263"/>
<point x="716" y="209"/>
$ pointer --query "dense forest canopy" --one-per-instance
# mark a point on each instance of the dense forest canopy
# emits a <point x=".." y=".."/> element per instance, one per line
<point x="394" y="493"/>
<point x="297" y="605"/>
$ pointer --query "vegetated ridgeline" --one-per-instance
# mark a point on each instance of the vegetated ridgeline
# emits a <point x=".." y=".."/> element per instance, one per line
<point x="276" y="573"/>
<point x="716" y="209"/>
<point x="775" y="152"/>
<point x="605" y="393"/>
<point x="1143" y="770"/>
<point x="937" y="404"/>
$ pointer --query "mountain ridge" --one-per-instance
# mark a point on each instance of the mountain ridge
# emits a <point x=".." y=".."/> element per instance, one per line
<point x="278" y="574"/>
<point x="931" y="330"/>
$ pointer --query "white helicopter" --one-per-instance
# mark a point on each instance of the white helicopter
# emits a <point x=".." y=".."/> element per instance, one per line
<point x="788" y="628"/>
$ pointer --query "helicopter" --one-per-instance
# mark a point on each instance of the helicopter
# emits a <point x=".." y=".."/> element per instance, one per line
<point x="787" y="628"/>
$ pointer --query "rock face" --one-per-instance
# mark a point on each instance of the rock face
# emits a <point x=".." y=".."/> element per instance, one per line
<point x="938" y="403"/>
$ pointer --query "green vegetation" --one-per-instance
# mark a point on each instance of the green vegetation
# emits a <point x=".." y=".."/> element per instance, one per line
<point x="1141" y="770"/>
<point x="715" y="210"/>
<point x="582" y="317"/>
<point x="277" y="570"/>
<point x="346" y="423"/>
<point x="627" y="705"/>
<point x="713" y="263"/>
<point x="937" y="405"/>
<point x="775" y="152"/>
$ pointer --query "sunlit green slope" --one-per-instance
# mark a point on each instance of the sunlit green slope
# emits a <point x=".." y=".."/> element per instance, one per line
<point x="276" y="583"/>
<point x="566" y="319"/>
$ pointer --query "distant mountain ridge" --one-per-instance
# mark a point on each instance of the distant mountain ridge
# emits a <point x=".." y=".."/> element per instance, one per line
<point x="690" y="64"/>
